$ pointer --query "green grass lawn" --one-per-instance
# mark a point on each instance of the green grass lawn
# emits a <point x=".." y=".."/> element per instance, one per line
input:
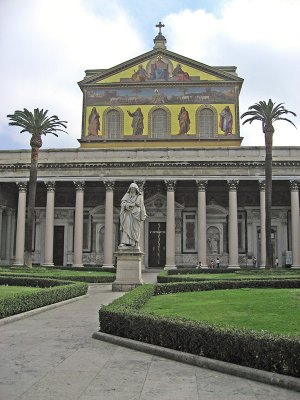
<point x="6" y="291"/>
<point x="239" y="275"/>
<point x="273" y="310"/>
<point x="48" y="273"/>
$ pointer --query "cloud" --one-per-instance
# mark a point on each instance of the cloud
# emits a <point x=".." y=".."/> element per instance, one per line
<point x="48" y="46"/>
<point x="262" y="38"/>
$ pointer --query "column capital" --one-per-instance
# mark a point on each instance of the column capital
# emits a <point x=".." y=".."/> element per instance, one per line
<point x="202" y="185"/>
<point x="109" y="185"/>
<point x="232" y="184"/>
<point x="79" y="185"/>
<point x="170" y="185"/>
<point x="22" y="186"/>
<point x="294" y="185"/>
<point x="50" y="186"/>
<point x="141" y="185"/>
<point x="262" y="185"/>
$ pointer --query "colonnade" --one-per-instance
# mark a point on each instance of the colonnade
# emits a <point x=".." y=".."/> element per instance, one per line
<point x="170" y="223"/>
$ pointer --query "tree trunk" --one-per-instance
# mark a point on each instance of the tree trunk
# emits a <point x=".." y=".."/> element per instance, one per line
<point x="268" y="204"/>
<point x="31" y="206"/>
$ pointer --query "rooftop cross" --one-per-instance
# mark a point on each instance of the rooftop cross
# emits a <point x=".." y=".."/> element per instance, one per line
<point x="160" y="25"/>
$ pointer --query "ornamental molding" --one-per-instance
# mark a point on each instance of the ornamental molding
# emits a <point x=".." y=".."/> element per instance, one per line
<point x="262" y="185"/>
<point x="152" y="164"/>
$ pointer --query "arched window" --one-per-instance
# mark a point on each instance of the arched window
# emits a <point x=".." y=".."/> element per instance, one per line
<point x="206" y="121"/>
<point x="159" y="121"/>
<point x="113" y="122"/>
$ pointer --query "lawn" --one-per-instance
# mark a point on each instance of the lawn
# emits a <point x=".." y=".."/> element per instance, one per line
<point x="7" y="291"/>
<point x="55" y="273"/>
<point x="273" y="310"/>
<point x="234" y="275"/>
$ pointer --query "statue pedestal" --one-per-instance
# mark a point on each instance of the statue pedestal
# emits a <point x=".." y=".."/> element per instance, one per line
<point x="129" y="271"/>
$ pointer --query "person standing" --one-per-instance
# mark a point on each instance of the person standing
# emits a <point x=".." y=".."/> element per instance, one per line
<point x="218" y="262"/>
<point x="276" y="262"/>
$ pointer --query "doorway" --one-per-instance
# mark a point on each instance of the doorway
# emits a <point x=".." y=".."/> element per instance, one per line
<point x="58" y="245"/>
<point x="157" y="244"/>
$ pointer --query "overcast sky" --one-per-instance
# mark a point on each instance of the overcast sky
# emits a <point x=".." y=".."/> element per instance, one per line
<point x="46" y="45"/>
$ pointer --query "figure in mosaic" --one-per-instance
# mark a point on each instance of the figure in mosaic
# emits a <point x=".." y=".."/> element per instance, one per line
<point x="137" y="121"/>
<point x="184" y="120"/>
<point x="132" y="213"/>
<point x="94" y="123"/>
<point x="226" y="121"/>
<point x="140" y="75"/>
<point x="179" y="74"/>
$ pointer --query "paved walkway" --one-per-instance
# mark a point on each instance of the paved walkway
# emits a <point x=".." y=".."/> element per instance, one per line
<point x="51" y="355"/>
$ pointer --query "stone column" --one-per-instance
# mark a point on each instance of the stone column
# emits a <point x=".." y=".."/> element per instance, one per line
<point x="142" y="185"/>
<point x="262" y="189"/>
<point x="49" y="228"/>
<point x="8" y="237"/>
<point x="1" y="219"/>
<point x="78" y="229"/>
<point x="295" y="217"/>
<point x="202" y="223"/>
<point x="233" y="225"/>
<point x="170" y="231"/>
<point x="20" y="235"/>
<point x="109" y="224"/>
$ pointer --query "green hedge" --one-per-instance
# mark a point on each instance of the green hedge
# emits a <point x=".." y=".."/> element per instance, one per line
<point x="262" y="350"/>
<point x="52" y="291"/>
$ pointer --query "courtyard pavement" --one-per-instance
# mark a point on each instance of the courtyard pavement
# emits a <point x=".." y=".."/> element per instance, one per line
<point x="51" y="355"/>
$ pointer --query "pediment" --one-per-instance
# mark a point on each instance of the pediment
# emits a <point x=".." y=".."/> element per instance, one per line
<point x="158" y="202"/>
<point x="160" y="66"/>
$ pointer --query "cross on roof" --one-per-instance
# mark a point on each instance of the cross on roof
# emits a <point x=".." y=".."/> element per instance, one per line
<point x="159" y="25"/>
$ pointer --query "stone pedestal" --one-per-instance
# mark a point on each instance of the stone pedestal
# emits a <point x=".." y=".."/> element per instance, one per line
<point x="129" y="271"/>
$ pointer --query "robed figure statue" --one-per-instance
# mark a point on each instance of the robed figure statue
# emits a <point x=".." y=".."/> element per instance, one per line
<point x="132" y="213"/>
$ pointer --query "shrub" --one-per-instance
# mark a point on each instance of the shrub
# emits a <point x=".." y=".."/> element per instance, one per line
<point x="262" y="350"/>
<point x="52" y="291"/>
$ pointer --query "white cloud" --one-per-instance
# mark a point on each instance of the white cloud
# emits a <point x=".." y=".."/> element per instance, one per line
<point x="48" y="46"/>
<point x="262" y="38"/>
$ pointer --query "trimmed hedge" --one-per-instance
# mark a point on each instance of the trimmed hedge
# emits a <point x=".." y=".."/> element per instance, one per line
<point x="262" y="350"/>
<point x="52" y="291"/>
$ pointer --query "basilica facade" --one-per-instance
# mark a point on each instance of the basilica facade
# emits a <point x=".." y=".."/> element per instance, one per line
<point x="170" y="124"/>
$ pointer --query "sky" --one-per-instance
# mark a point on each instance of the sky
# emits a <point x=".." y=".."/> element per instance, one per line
<point x="46" y="45"/>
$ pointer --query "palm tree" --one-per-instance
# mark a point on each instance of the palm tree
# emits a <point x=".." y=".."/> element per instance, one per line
<point x="268" y="113"/>
<point x="37" y="124"/>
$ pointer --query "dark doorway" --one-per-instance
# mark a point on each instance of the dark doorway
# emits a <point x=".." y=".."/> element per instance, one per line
<point x="58" y="245"/>
<point x="157" y="244"/>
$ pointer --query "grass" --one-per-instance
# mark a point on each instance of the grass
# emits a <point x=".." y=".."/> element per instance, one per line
<point x="273" y="310"/>
<point x="235" y="275"/>
<point x="7" y="291"/>
<point x="54" y="273"/>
